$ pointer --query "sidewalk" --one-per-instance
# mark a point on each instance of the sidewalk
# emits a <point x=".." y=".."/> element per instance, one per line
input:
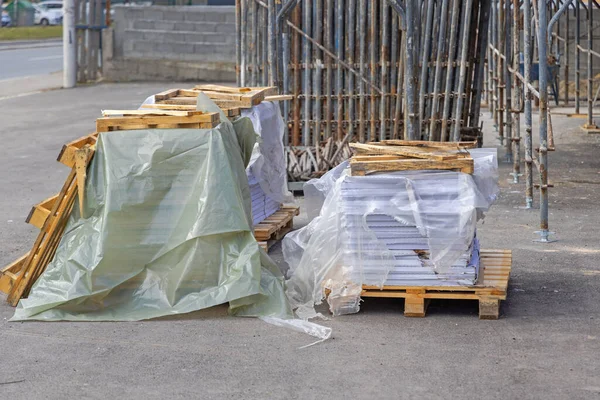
<point x="29" y="85"/>
<point x="29" y="44"/>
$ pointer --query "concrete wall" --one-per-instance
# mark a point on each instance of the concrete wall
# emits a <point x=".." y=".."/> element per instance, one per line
<point x="195" y="43"/>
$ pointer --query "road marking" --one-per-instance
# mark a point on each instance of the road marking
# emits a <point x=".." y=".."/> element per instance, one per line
<point x="45" y="58"/>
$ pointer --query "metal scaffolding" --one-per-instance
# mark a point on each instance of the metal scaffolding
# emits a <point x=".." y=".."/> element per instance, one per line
<point x="530" y="41"/>
<point x="367" y="70"/>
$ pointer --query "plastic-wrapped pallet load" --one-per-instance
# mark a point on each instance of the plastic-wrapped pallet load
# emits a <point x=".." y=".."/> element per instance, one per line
<point x="409" y="228"/>
<point x="266" y="171"/>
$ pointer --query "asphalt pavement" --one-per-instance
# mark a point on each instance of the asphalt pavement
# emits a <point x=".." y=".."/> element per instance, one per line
<point x="24" y="59"/>
<point x="545" y="345"/>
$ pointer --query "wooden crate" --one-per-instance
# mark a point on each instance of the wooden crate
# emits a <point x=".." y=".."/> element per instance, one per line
<point x="489" y="291"/>
<point x="276" y="226"/>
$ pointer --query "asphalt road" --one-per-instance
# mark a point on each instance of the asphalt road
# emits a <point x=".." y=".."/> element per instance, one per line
<point x="546" y="345"/>
<point x="24" y="60"/>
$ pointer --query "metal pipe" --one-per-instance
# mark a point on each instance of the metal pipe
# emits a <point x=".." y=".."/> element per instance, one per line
<point x="285" y="42"/>
<point x="350" y="49"/>
<point x="556" y="17"/>
<point x="361" y="59"/>
<point x="328" y="72"/>
<point x="373" y="54"/>
<point x="243" y="40"/>
<point x="297" y="82"/>
<point x="317" y="73"/>
<point x="463" y="69"/>
<point x="516" y="101"/>
<point x="435" y="97"/>
<point x="425" y="57"/>
<point x="238" y="47"/>
<point x="577" y="57"/>
<point x="338" y="77"/>
<point x="450" y="72"/>
<point x="528" y="116"/>
<point x="272" y="49"/>
<point x="482" y="40"/>
<point x="508" y="83"/>
<point x="385" y="49"/>
<point x="590" y="14"/>
<point x="566" y="62"/>
<point x="543" y="115"/>
<point x="413" y="129"/>
<point x="306" y="24"/>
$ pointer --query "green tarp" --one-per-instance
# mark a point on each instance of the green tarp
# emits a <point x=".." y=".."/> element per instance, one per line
<point x="166" y="229"/>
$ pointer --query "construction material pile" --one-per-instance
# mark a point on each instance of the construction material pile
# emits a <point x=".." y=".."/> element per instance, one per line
<point x="267" y="167"/>
<point x="155" y="218"/>
<point x="401" y="214"/>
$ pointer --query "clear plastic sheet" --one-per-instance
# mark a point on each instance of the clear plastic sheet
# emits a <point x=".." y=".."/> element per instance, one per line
<point x="268" y="164"/>
<point x="165" y="230"/>
<point x="316" y="190"/>
<point x="435" y="211"/>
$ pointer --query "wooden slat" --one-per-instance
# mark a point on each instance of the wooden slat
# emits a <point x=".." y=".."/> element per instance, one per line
<point x="182" y="107"/>
<point x="175" y="113"/>
<point x="40" y="212"/>
<point x="106" y="124"/>
<point x="425" y="143"/>
<point x="277" y="225"/>
<point x="360" y="168"/>
<point x="167" y="94"/>
<point x="407" y="151"/>
<point x="225" y="89"/>
<point x="67" y="153"/>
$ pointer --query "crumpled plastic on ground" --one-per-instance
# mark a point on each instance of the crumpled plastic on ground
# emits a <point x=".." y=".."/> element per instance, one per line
<point x="321" y="261"/>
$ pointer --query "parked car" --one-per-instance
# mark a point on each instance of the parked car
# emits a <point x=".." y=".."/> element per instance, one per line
<point x="6" y="20"/>
<point x="48" y="13"/>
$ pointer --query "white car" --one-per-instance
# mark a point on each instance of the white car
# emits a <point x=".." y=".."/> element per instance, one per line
<point x="48" y="13"/>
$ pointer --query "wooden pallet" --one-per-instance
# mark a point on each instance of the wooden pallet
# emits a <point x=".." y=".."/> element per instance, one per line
<point x="401" y="155"/>
<point x="276" y="226"/>
<point x="489" y="291"/>
<point x="51" y="216"/>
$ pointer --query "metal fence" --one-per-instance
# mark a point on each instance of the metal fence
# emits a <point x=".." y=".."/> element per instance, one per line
<point x="368" y="70"/>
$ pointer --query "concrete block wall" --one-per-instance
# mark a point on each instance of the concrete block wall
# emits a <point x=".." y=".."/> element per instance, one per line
<point x="171" y="43"/>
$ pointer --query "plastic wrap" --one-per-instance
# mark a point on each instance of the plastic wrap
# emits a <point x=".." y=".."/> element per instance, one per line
<point x="414" y="226"/>
<point x="316" y="190"/>
<point x="165" y="230"/>
<point x="268" y="165"/>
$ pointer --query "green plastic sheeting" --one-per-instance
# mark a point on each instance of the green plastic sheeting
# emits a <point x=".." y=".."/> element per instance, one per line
<point x="166" y="229"/>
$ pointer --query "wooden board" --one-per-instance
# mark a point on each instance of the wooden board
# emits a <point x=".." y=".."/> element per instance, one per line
<point x="174" y="113"/>
<point x="67" y="153"/>
<point x="40" y="212"/>
<point x="406" y="151"/>
<point x="276" y="226"/>
<point x="425" y="143"/>
<point x="490" y="289"/>
<point x="196" y="121"/>
<point x="362" y="167"/>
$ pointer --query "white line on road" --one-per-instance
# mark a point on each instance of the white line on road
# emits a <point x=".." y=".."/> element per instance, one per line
<point x="45" y="58"/>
